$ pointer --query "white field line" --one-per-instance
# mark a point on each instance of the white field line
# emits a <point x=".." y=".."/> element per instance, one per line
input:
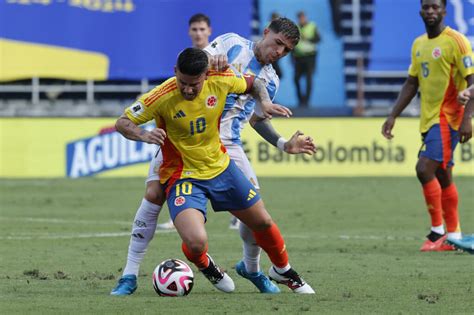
<point x="64" y="221"/>
<point x="57" y="236"/>
<point x="49" y="236"/>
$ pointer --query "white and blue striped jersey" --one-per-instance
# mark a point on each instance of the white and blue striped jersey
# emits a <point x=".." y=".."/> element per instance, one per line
<point x="239" y="108"/>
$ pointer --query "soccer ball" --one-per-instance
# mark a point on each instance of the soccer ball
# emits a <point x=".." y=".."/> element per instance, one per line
<point x="173" y="277"/>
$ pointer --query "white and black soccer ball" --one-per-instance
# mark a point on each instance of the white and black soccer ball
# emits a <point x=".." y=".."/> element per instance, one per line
<point x="173" y="277"/>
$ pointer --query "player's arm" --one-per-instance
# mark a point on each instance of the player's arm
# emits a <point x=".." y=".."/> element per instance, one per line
<point x="465" y="130"/>
<point x="132" y="131"/>
<point x="465" y="95"/>
<point x="298" y="143"/>
<point x="259" y="92"/>
<point x="409" y="90"/>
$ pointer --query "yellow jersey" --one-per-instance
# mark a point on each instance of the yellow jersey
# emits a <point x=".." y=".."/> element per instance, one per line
<point x="192" y="148"/>
<point x="441" y="65"/>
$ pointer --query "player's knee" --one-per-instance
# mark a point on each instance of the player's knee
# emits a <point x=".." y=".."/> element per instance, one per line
<point x="196" y="246"/>
<point x="155" y="194"/>
<point x="422" y="171"/>
<point x="263" y="224"/>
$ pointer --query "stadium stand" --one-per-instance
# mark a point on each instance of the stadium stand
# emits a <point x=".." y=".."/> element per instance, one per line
<point x="369" y="92"/>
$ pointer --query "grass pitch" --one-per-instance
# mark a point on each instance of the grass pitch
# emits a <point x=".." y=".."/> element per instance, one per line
<point x="356" y="241"/>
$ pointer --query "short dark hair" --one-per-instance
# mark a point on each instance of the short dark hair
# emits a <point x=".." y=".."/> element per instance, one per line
<point x="287" y="27"/>
<point x="199" y="17"/>
<point x="442" y="1"/>
<point x="192" y="61"/>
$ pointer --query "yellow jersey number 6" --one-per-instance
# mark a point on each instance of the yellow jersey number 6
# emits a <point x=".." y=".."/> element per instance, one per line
<point x="426" y="70"/>
<point x="186" y="188"/>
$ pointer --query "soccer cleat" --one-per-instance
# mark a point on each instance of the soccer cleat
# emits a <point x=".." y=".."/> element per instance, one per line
<point x="437" y="246"/>
<point x="292" y="280"/>
<point x="165" y="226"/>
<point x="218" y="278"/>
<point x="465" y="244"/>
<point x="234" y="223"/>
<point x="263" y="284"/>
<point x="125" y="286"/>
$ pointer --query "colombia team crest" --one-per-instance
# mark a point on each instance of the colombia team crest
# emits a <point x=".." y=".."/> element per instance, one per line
<point x="436" y="53"/>
<point x="211" y="101"/>
<point x="179" y="201"/>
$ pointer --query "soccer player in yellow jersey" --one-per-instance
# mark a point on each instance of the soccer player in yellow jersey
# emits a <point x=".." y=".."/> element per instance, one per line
<point x="196" y="168"/>
<point x="441" y="66"/>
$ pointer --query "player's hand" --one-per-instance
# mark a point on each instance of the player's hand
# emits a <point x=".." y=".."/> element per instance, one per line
<point x="269" y="109"/>
<point x="218" y="62"/>
<point x="465" y="130"/>
<point x="387" y="127"/>
<point x="155" y="136"/>
<point x="464" y="96"/>
<point x="299" y="143"/>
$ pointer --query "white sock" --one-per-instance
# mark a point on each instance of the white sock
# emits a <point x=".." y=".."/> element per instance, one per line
<point x="143" y="230"/>
<point x="250" y="248"/>
<point x="438" y="229"/>
<point x="282" y="270"/>
<point x="454" y="235"/>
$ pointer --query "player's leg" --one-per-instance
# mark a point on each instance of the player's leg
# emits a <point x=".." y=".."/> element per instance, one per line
<point x="429" y="161"/>
<point x="449" y="193"/>
<point x="241" y="194"/>
<point x="249" y="266"/>
<point x="251" y="251"/>
<point x="143" y="230"/>
<point x="187" y="202"/>
<point x="269" y="238"/>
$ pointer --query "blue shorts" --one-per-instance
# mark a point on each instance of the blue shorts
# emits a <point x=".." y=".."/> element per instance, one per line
<point x="230" y="190"/>
<point x="439" y="144"/>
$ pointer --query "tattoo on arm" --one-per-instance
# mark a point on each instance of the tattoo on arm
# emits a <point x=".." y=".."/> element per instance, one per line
<point x="266" y="130"/>
<point x="259" y="91"/>
<point x="128" y="129"/>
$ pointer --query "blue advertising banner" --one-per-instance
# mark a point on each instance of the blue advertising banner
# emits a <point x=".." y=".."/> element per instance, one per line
<point x="105" y="39"/>
<point x="396" y="24"/>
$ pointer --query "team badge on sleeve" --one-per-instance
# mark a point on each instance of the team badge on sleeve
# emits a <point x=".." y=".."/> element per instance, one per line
<point x="211" y="101"/>
<point x="137" y="109"/>
<point x="467" y="61"/>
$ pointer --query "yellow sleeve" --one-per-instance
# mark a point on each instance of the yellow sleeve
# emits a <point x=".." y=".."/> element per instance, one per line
<point x="414" y="68"/>
<point x="139" y="113"/>
<point x="463" y="56"/>
<point x="235" y="81"/>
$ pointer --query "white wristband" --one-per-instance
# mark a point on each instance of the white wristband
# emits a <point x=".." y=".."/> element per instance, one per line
<point x="281" y="144"/>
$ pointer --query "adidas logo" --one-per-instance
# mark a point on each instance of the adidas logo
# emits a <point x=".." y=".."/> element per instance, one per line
<point x="179" y="114"/>
<point x="252" y="194"/>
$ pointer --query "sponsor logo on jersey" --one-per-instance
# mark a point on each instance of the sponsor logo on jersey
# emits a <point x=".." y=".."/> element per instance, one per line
<point x="436" y="53"/>
<point x="179" y="201"/>
<point x="106" y="151"/>
<point x="136" y="109"/>
<point x="211" y="101"/>
<point x="467" y="61"/>
<point x="214" y="45"/>
<point x="179" y="114"/>
<point x="418" y="53"/>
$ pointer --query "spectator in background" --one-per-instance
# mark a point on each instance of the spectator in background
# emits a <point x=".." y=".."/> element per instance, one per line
<point x="336" y="16"/>
<point x="200" y="30"/>
<point x="275" y="65"/>
<point x="304" y="56"/>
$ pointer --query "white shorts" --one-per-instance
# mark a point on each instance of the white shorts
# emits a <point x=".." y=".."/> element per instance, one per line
<point x="235" y="151"/>
<point x="155" y="164"/>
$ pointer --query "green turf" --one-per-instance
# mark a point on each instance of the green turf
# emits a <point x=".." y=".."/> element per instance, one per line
<point x="355" y="241"/>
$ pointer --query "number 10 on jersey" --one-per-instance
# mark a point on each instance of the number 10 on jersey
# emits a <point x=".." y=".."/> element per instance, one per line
<point x="197" y="127"/>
